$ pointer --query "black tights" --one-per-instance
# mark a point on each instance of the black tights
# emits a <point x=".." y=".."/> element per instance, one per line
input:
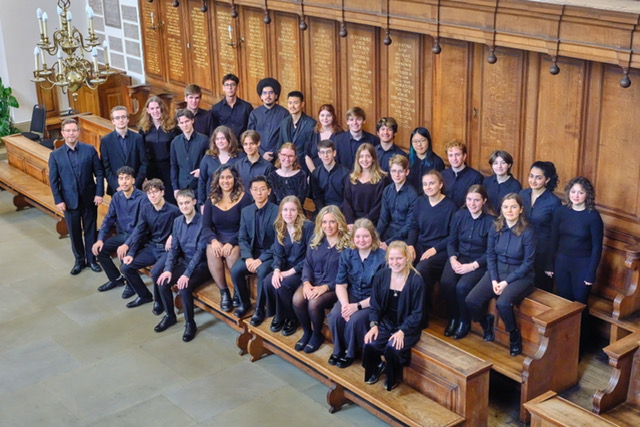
<point x="311" y="313"/>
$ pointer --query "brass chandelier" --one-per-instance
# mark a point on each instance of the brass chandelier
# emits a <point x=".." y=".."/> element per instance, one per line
<point x="70" y="70"/>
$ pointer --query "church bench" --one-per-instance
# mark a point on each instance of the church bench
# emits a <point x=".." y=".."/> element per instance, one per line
<point x="619" y="402"/>
<point x="550" y="410"/>
<point x="550" y="328"/>
<point x="441" y="386"/>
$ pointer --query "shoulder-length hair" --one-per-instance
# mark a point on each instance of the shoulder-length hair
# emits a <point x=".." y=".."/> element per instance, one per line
<point x="233" y="149"/>
<point x="477" y="188"/>
<point x="343" y="229"/>
<point x="368" y="225"/>
<point x="590" y="201"/>
<point x="377" y="174"/>
<point x="401" y="246"/>
<point x="281" y="226"/>
<point x="215" y="192"/>
<point x="423" y="132"/>
<point x="335" y="127"/>
<point x="168" y="122"/>
<point x="501" y="222"/>
<point x="288" y="146"/>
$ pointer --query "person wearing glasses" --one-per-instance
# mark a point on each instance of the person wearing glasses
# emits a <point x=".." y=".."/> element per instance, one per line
<point x="327" y="180"/>
<point x="231" y="111"/>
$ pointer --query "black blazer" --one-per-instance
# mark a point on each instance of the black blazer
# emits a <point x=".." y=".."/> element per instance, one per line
<point x="113" y="157"/>
<point x="69" y="188"/>
<point x="306" y="131"/>
<point x="247" y="233"/>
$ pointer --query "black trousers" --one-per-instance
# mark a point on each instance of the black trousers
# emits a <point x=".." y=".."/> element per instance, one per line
<point x="104" y="256"/>
<point x="455" y="288"/>
<point x="395" y="359"/>
<point x="515" y="292"/>
<point x="162" y="171"/>
<point x="199" y="276"/>
<point x="149" y="255"/>
<point x="281" y="298"/>
<point x="430" y="269"/>
<point x="542" y="281"/>
<point x="81" y="223"/>
<point x="239" y="273"/>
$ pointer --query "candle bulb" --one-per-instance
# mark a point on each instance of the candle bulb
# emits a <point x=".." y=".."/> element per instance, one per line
<point x="94" y="53"/>
<point x="230" y="33"/>
<point x="69" y="19"/>
<point x="90" y="16"/>
<point x="60" y="66"/>
<point x="40" y="24"/>
<point x="59" y="10"/>
<point x="105" y="46"/>
<point x="36" y="57"/>
<point x="45" y="18"/>
<point x="44" y="64"/>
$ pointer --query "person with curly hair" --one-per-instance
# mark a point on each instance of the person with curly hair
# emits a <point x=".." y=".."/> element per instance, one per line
<point x="223" y="150"/>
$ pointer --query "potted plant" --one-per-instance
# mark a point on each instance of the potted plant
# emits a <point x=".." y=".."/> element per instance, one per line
<point x="7" y="100"/>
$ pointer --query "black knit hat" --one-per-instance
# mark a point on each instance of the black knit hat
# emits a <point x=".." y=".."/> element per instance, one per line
<point x="269" y="82"/>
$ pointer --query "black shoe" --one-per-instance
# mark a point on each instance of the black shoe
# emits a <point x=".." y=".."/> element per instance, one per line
<point x="388" y="385"/>
<point x="276" y="324"/>
<point x="158" y="308"/>
<point x="333" y="360"/>
<point x="225" y="300"/>
<point x="128" y="292"/>
<point x="376" y="375"/>
<point x="290" y="327"/>
<point x="300" y="345"/>
<point x="314" y="343"/>
<point x="345" y="362"/>
<point x="242" y="310"/>
<point x="487" y="327"/>
<point x="462" y="331"/>
<point x="111" y="284"/>
<point x="257" y="318"/>
<point x="94" y="266"/>
<point x="451" y="328"/>
<point x="77" y="268"/>
<point x="190" y="330"/>
<point x="138" y="302"/>
<point x="236" y="300"/>
<point x="165" y="324"/>
<point x="515" y="342"/>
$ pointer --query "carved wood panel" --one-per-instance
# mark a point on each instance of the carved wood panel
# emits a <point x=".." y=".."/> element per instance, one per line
<point x="323" y="47"/>
<point x="254" y="52"/>
<point x="362" y="72"/>
<point x="151" y="28"/>
<point x="288" y="54"/>
<point x="199" y="56"/>
<point x="174" y="42"/>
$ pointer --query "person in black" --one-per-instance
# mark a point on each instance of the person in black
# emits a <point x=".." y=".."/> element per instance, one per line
<point x="540" y="205"/>
<point x="501" y="182"/>
<point x="328" y="179"/>
<point x="467" y="263"/>
<point x="184" y="265"/>
<point x="422" y="158"/>
<point x="252" y="164"/>
<point x="124" y="210"/>
<point x="327" y="128"/>
<point x="77" y="184"/>
<point x="293" y="234"/>
<point x="148" y="243"/>
<point x="255" y="239"/>
<point x="266" y="118"/>
<point x="203" y="120"/>
<point x="158" y="129"/>
<point x="231" y="111"/>
<point x="363" y="190"/>
<point x="396" y="310"/>
<point x="187" y="151"/>
<point x="511" y="250"/>
<point x="298" y="128"/>
<point x="429" y="232"/>
<point x="387" y="127"/>
<point x="459" y="176"/>
<point x="317" y="293"/>
<point x="398" y="201"/>
<point x="288" y="179"/>
<point x="122" y="147"/>
<point x="348" y="142"/>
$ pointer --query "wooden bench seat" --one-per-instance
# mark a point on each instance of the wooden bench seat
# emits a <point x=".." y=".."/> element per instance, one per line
<point x="406" y="405"/>
<point x="549" y="410"/>
<point x="550" y="328"/>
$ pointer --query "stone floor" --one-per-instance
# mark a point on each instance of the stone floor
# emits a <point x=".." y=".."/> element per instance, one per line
<point x="70" y="356"/>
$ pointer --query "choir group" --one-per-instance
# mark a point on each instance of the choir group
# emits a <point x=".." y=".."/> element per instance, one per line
<point x="227" y="189"/>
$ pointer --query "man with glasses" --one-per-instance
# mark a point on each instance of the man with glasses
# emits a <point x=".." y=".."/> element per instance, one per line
<point x="327" y="181"/>
<point x="266" y="118"/>
<point x="122" y="147"/>
<point x="231" y="111"/>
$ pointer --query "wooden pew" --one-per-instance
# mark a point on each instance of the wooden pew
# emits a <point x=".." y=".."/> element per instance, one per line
<point x="549" y="326"/>
<point x="549" y="410"/>
<point x="618" y="304"/>
<point x="620" y="401"/>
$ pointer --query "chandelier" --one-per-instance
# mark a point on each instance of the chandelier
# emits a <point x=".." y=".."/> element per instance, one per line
<point x="70" y="69"/>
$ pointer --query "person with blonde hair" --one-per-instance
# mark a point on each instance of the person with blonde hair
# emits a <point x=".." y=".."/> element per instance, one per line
<point x="293" y="234"/>
<point x="363" y="191"/>
<point x="349" y="319"/>
<point x="396" y="310"/>
<point x="317" y="293"/>
<point x="288" y="179"/>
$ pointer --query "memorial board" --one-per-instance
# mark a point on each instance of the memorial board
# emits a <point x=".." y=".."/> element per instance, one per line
<point x="173" y="30"/>
<point x="324" y="64"/>
<point x="112" y="13"/>
<point x="288" y="55"/>
<point x="199" y="53"/>
<point x="254" y="51"/>
<point x="362" y="75"/>
<point x="228" y="40"/>
<point x="153" y="58"/>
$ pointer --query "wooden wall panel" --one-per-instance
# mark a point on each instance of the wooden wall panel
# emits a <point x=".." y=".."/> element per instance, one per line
<point x="151" y="27"/>
<point x="501" y="106"/>
<point x="175" y="42"/>
<point x="288" y="54"/>
<point x="199" y="58"/>
<point x="403" y="77"/>
<point x="559" y="116"/>
<point x="323" y="48"/>
<point x="618" y="166"/>
<point x="254" y="52"/>
<point x="450" y="94"/>
<point x="227" y="40"/>
<point x="362" y="72"/>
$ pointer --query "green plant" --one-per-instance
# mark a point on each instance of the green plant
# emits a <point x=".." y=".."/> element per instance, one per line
<point x="7" y="100"/>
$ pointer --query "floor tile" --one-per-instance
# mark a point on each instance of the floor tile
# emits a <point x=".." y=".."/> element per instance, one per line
<point x="157" y="411"/>
<point x="35" y="406"/>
